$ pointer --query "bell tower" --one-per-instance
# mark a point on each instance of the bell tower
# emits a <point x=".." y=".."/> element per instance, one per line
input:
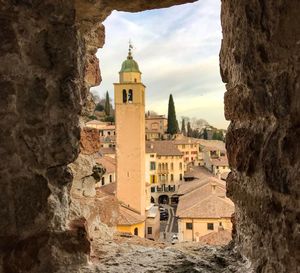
<point x="130" y="135"/>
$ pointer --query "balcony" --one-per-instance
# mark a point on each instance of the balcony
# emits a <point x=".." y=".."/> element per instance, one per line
<point x="163" y="171"/>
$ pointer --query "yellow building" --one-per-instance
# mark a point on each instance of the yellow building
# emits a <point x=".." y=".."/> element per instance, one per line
<point x="203" y="208"/>
<point x="156" y="126"/>
<point x="164" y="170"/>
<point x="190" y="149"/>
<point x="130" y="147"/>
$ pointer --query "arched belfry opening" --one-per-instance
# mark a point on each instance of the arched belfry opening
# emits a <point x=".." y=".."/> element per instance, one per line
<point x="48" y="65"/>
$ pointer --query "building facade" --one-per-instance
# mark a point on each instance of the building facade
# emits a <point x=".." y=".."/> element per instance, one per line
<point x="156" y="126"/>
<point x="164" y="170"/>
<point x="203" y="208"/>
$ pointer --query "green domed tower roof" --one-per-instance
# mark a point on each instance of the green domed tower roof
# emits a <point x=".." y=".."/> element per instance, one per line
<point x="130" y="65"/>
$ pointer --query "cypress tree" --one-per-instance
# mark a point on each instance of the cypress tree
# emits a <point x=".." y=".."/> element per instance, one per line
<point x="172" y="121"/>
<point x="107" y="105"/>
<point x="189" y="130"/>
<point x="183" y="130"/>
<point x="205" y="134"/>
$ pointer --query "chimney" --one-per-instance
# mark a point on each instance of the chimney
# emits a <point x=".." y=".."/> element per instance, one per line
<point x="213" y="188"/>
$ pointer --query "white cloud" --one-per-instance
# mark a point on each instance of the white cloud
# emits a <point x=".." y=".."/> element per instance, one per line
<point x="177" y="51"/>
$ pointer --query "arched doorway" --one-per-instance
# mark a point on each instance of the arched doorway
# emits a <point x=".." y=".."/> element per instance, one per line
<point x="163" y="199"/>
<point x="136" y="231"/>
<point x="152" y="199"/>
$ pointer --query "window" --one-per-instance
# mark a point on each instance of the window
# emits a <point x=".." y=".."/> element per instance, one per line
<point x="180" y="177"/>
<point x="180" y="165"/>
<point x="189" y="226"/>
<point x="183" y="146"/>
<point x="152" y="178"/>
<point x="152" y="166"/>
<point x="210" y="226"/>
<point x="149" y="230"/>
<point x="136" y="231"/>
<point x="172" y="177"/>
<point x="124" y="96"/>
<point x="102" y="181"/>
<point x="134" y="79"/>
<point x="152" y="155"/>
<point x="159" y="166"/>
<point x="110" y="178"/>
<point x="108" y="133"/>
<point x="152" y="189"/>
<point x="130" y="96"/>
<point x="172" y="166"/>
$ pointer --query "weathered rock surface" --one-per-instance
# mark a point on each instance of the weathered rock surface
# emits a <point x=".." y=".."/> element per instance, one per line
<point x="128" y="257"/>
<point x="260" y="62"/>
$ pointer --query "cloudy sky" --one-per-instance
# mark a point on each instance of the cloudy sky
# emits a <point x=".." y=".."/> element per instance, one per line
<point x="177" y="50"/>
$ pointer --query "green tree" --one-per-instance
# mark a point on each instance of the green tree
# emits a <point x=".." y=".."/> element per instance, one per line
<point x="107" y="105"/>
<point x="217" y="135"/>
<point x="172" y="121"/>
<point x="205" y="134"/>
<point x="99" y="107"/>
<point x="189" y="130"/>
<point x="183" y="129"/>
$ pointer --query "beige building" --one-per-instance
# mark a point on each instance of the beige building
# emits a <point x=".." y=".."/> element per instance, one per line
<point x="109" y="176"/>
<point x="156" y="126"/>
<point x="190" y="149"/>
<point x="203" y="208"/>
<point x="108" y="142"/>
<point x="108" y="130"/>
<point x="213" y="153"/>
<point x="95" y="124"/>
<point x="164" y="170"/>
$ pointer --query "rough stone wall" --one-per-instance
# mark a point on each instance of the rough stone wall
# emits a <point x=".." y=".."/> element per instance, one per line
<point x="260" y="66"/>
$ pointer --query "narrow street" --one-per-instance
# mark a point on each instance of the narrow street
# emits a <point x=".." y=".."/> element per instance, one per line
<point x="170" y="226"/>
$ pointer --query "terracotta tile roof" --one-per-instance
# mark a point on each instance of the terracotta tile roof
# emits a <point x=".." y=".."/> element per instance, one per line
<point x="185" y="140"/>
<point x="197" y="172"/>
<point x="220" y="161"/>
<point x="129" y="217"/>
<point x="224" y="175"/>
<point x="156" y="117"/>
<point x="222" y="237"/>
<point x="109" y="189"/>
<point x="104" y="151"/>
<point x="108" y="163"/>
<point x="108" y="127"/>
<point x="97" y="122"/>
<point x="162" y="148"/>
<point x="212" y="145"/>
<point x="202" y="177"/>
<point x="206" y="202"/>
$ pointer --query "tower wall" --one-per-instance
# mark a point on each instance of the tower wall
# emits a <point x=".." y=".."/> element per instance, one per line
<point x="130" y="149"/>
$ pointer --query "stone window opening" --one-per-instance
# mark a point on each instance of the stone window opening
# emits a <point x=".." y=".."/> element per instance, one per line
<point x="237" y="137"/>
<point x="130" y="96"/>
<point x="124" y="96"/>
